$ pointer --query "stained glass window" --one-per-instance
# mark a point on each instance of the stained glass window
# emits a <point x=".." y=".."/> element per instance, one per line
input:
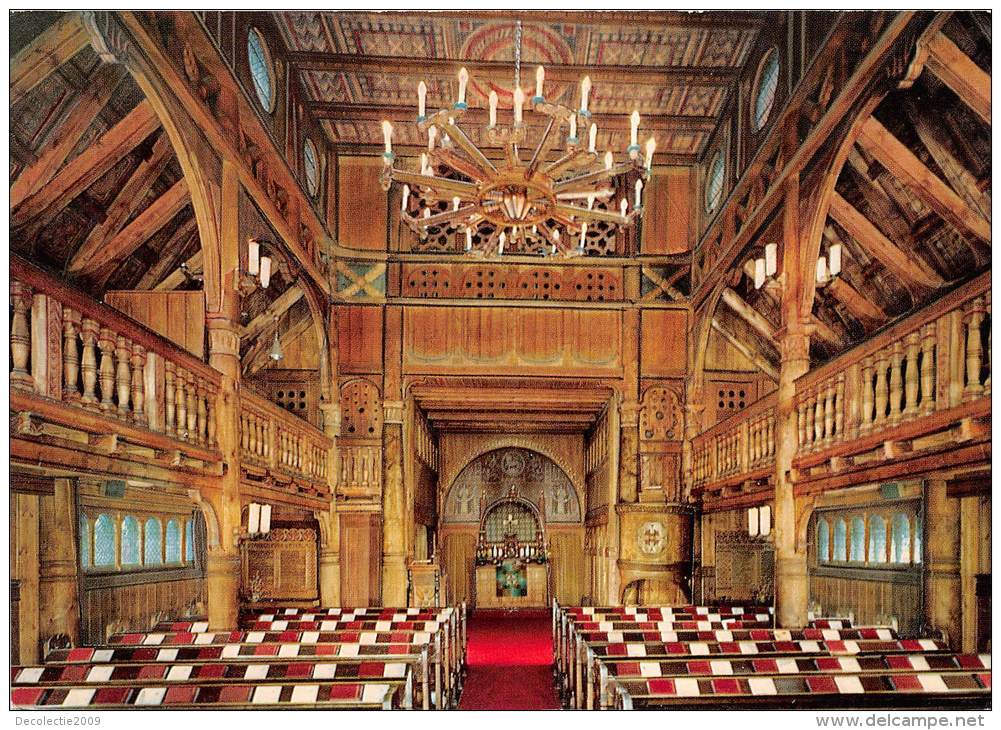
<point x="84" y="541"/>
<point x="764" y="91"/>
<point x="152" y="554"/>
<point x="261" y="70"/>
<point x="858" y="541"/>
<point x="877" y="539"/>
<point x="900" y="539"/>
<point x="189" y="541"/>
<point x="104" y="541"/>
<point x="130" y="541"/>
<point x="311" y="166"/>
<point x="172" y="541"/>
<point x="917" y="539"/>
<point x="823" y="541"/>
<point x="840" y="540"/>
<point x="714" y="182"/>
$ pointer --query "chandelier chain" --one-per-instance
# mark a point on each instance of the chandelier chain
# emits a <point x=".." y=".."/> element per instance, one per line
<point x="517" y="54"/>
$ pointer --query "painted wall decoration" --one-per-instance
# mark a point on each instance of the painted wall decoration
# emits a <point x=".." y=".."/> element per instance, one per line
<point x="499" y="473"/>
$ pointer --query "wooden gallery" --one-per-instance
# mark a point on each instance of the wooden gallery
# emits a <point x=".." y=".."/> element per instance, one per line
<point x="500" y="360"/>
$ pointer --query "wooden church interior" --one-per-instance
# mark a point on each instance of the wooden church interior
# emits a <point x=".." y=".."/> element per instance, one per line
<point x="270" y="447"/>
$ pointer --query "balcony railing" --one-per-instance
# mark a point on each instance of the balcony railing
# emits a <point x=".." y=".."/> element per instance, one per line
<point x="738" y="448"/>
<point x="71" y="355"/>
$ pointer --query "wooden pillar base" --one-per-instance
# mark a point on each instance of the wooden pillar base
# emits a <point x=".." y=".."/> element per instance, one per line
<point x="330" y="578"/>
<point x="222" y="585"/>
<point x="792" y="591"/>
<point x="394" y="581"/>
<point x="59" y="611"/>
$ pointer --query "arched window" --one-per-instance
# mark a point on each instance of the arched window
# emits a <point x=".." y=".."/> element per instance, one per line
<point x="172" y="541"/>
<point x="714" y="182"/>
<point x="877" y="539"/>
<point x="189" y="541"/>
<point x="840" y="540"/>
<point x="823" y="541"/>
<point x="311" y="166"/>
<point x="765" y="86"/>
<point x="900" y="538"/>
<point x="857" y="554"/>
<point x="152" y="553"/>
<point x="130" y="541"/>
<point x="84" y="542"/>
<point x="104" y="542"/>
<point x="261" y="69"/>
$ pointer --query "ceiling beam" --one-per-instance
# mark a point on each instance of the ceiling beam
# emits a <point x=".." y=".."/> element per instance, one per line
<point x="906" y="266"/>
<point x="259" y="355"/>
<point x="173" y="249"/>
<point x="750" y="315"/>
<point x="276" y="309"/>
<point x="78" y="116"/>
<point x="671" y="18"/>
<point x="175" y="278"/>
<point x="142" y="227"/>
<point x="862" y="308"/>
<point x="566" y="73"/>
<point x="750" y="353"/>
<point x="336" y="112"/>
<point x="958" y="71"/>
<point x="56" y="45"/>
<point x="90" y="165"/>
<point x="894" y="155"/>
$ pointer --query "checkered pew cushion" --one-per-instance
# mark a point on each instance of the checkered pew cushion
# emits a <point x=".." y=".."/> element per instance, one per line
<point x="610" y="633"/>
<point x="830" y="623"/>
<point x="227" y="652"/>
<point x="798" y="665"/>
<point x="337" y="625"/>
<point x="397" y="635"/>
<point x="656" y="624"/>
<point x="205" y="696"/>
<point x="813" y="686"/>
<point x="174" y="673"/>
<point x="318" y="614"/>
<point x="685" y="612"/>
<point x="746" y="648"/>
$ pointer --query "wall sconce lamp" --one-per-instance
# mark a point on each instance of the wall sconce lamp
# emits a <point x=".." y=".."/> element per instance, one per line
<point x="258" y="520"/>
<point x="829" y="267"/>
<point x="261" y="263"/>
<point x="766" y="267"/>
<point x="759" y="521"/>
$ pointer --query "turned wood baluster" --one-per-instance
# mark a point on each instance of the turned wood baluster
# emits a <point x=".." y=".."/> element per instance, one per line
<point x="20" y="335"/>
<point x="138" y="384"/>
<point x="817" y="400"/>
<point x="106" y="373"/>
<point x="882" y="388"/>
<point x="866" y="417"/>
<point x="89" y="332"/>
<point x="203" y="412"/>
<point x="181" y="404"/>
<point x="189" y="387"/>
<point x="168" y="396"/>
<point x="896" y="381"/>
<point x="801" y="421"/>
<point x="771" y="436"/>
<point x="829" y="413"/>
<point x="210" y="415"/>
<point x="990" y="326"/>
<point x="244" y="434"/>
<point x="251" y="435"/>
<point x="839" y="407"/>
<point x="912" y="377"/>
<point x="928" y="337"/>
<point x="123" y="375"/>
<point x="71" y="355"/>
<point x="974" y="350"/>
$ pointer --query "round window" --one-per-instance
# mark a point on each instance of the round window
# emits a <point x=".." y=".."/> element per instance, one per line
<point x="311" y="166"/>
<point x="765" y="87"/>
<point x="261" y="69"/>
<point x="714" y="182"/>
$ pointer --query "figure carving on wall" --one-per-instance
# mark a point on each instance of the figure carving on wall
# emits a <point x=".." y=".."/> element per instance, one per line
<point x="660" y="416"/>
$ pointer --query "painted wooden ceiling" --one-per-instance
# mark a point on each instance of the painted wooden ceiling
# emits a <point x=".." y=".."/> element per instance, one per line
<point x="677" y="69"/>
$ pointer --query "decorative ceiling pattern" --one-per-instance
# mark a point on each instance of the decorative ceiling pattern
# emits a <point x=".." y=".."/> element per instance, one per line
<point x="677" y="72"/>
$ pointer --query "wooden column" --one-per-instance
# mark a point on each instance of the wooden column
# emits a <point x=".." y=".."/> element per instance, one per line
<point x="791" y="581"/>
<point x="59" y="611"/>
<point x="24" y="547"/>
<point x="629" y="409"/>
<point x="330" y="547"/>
<point x="394" y="568"/>
<point x="943" y="599"/>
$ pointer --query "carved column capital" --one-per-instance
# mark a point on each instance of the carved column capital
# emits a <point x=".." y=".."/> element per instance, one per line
<point x="629" y="414"/>
<point x="393" y="411"/>
<point x="224" y="338"/>
<point x="107" y="35"/>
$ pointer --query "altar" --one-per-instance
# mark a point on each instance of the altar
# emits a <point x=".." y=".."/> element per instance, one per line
<point x="512" y="583"/>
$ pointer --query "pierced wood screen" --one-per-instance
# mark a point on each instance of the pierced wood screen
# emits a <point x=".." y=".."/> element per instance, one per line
<point x="745" y="568"/>
<point x="297" y="391"/>
<point x="281" y="566"/>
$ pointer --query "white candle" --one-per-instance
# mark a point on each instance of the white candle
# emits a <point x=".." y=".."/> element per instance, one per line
<point x="608" y="160"/>
<point x="771" y="259"/>
<point x="540" y="76"/>
<point x="634" y="127"/>
<point x="427" y="213"/>
<point x="253" y="257"/>
<point x="387" y="135"/>
<point x="623" y="206"/>
<point x="422" y="93"/>
<point x="469" y="240"/>
<point x="253" y="518"/>
<point x="463" y="80"/>
<point x="759" y="273"/>
<point x="432" y="136"/>
<point x="583" y="235"/>
<point x="585" y="91"/>
<point x="455" y="203"/>
<point x="822" y="270"/>
<point x="573" y="126"/>
<point x="265" y="271"/>
<point x="651" y="147"/>
<point x="265" y="518"/>
<point x="493" y="108"/>
<point x="592" y="137"/>
<point x="406" y="199"/>
<point x="519" y="102"/>
<point x="590" y="202"/>
<point x="503" y="238"/>
<point x="835" y="255"/>
<point x="424" y="163"/>
<point x="639" y="194"/>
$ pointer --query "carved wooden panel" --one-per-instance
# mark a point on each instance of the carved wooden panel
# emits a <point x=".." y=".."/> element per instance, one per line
<point x="297" y="391"/>
<point x="281" y="566"/>
<point x="661" y="416"/>
<point x="489" y="281"/>
<point x="745" y="568"/>
<point x="494" y="340"/>
<point x="137" y="606"/>
<point x="361" y="409"/>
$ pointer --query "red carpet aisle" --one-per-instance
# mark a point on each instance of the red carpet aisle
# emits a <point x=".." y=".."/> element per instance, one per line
<point x="510" y="655"/>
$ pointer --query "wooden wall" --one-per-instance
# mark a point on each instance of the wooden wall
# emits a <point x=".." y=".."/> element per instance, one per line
<point x="362" y="204"/>
<point x="869" y="600"/>
<point x="105" y="609"/>
<point x="667" y="220"/>
<point x="177" y="315"/>
<point x="361" y="546"/>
